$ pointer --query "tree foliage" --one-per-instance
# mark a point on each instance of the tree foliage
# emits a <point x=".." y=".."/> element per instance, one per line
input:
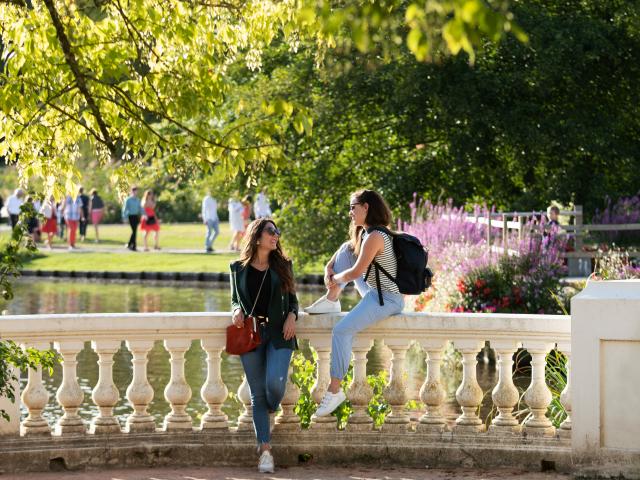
<point x="148" y="79"/>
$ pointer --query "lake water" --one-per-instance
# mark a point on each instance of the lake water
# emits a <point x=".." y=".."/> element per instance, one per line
<point x="33" y="297"/>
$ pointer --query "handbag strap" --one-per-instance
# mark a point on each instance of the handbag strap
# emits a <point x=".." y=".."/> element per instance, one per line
<point x="259" y="290"/>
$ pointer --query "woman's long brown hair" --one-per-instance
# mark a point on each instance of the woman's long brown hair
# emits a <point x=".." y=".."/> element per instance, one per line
<point x="277" y="258"/>
<point x="378" y="215"/>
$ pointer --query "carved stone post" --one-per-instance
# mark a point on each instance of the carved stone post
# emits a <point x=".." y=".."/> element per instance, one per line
<point x="70" y="395"/>
<point x="245" y="421"/>
<point x="538" y="396"/>
<point x="565" y="396"/>
<point x="287" y="420"/>
<point x="177" y="392"/>
<point x="214" y="392"/>
<point x="105" y="394"/>
<point x="35" y="397"/>
<point x="432" y="393"/>
<point x="139" y="391"/>
<point x="322" y="346"/>
<point x="469" y="393"/>
<point x="505" y="394"/>
<point x="360" y="392"/>
<point x="396" y="391"/>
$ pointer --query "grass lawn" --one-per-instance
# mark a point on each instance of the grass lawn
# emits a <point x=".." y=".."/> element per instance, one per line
<point x="110" y="254"/>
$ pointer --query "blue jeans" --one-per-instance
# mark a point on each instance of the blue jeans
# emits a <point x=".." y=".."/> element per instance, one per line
<point x="364" y="314"/>
<point x="266" y="368"/>
<point x="213" y="230"/>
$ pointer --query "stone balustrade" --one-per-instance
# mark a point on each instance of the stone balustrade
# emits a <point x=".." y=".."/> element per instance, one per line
<point x="506" y="333"/>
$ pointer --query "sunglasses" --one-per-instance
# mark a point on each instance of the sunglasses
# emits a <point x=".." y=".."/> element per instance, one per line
<point x="352" y="206"/>
<point x="273" y="231"/>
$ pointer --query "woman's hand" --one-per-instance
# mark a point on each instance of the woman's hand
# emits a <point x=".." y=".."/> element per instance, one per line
<point x="328" y="277"/>
<point x="289" y="329"/>
<point x="238" y="318"/>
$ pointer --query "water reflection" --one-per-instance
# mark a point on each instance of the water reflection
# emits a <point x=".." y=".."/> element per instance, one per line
<point x="85" y="297"/>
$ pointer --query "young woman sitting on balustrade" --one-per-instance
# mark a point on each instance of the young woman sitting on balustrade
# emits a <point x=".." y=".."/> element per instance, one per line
<point x="367" y="210"/>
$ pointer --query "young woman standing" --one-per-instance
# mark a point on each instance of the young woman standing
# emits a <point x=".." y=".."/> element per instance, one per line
<point x="262" y="282"/>
<point x="367" y="210"/>
<point x="150" y="221"/>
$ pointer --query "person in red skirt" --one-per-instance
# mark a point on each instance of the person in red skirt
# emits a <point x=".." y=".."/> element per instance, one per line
<point x="50" y="214"/>
<point x="150" y="222"/>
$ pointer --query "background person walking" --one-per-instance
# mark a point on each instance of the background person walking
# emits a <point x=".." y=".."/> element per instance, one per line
<point x="72" y="208"/>
<point x="50" y="213"/>
<point x="14" y="202"/>
<point x="131" y="211"/>
<point x="96" y="207"/>
<point x="211" y="220"/>
<point x="150" y="222"/>
<point x="84" y="219"/>
<point x="236" y="222"/>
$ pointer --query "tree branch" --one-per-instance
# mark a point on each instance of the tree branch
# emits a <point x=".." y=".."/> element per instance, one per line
<point x="72" y="62"/>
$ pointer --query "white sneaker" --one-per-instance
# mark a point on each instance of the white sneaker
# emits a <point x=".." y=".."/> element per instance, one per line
<point x="329" y="403"/>
<point x="265" y="464"/>
<point x="324" y="305"/>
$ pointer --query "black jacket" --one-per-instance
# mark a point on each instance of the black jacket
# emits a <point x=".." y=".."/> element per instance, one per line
<point x="280" y="303"/>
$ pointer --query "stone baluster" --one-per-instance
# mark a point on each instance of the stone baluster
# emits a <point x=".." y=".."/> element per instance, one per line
<point x="35" y="397"/>
<point x="565" y="396"/>
<point x="69" y="394"/>
<point x="139" y="391"/>
<point x="214" y="392"/>
<point x="505" y="394"/>
<point x="287" y="420"/>
<point x="538" y="396"/>
<point x="245" y="421"/>
<point x="105" y="394"/>
<point x="322" y="346"/>
<point x="396" y="391"/>
<point x="432" y="393"/>
<point x="469" y="394"/>
<point x="177" y="392"/>
<point x="360" y="392"/>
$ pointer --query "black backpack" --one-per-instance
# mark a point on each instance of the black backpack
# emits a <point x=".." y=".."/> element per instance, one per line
<point x="413" y="276"/>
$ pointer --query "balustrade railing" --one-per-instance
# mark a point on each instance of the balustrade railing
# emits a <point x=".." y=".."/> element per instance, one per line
<point x="506" y="334"/>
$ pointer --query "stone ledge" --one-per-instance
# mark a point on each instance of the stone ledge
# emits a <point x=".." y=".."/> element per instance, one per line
<point x="237" y="449"/>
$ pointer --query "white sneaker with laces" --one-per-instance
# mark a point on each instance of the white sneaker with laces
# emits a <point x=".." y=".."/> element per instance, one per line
<point x="329" y="403"/>
<point x="265" y="464"/>
<point x="324" y="305"/>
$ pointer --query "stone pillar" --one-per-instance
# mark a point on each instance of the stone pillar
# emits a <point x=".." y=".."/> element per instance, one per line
<point x="105" y="394"/>
<point x="565" y="396"/>
<point x="287" y="420"/>
<point x="469" y="394"/>
<point x="396" y="391"/>
<point x="538" y="396"/>
<point x="245" y="421"/>
<point x="70" y="395"/>
<point x="139" y="391"/>
<point x="177" y="392"/>
<point x="214" y="392"/>
<point x="360" y="392"/>
<point x="432" y="393"/>
<point x="505" y="395"/>
<point x="322" y="346"/>
<point x="35" y="397"/>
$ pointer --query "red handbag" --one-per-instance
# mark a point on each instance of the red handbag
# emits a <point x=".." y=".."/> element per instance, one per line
<point x="246" y="338"/>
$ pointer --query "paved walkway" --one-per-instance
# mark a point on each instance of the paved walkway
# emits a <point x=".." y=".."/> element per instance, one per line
<point x="297" y="473"/>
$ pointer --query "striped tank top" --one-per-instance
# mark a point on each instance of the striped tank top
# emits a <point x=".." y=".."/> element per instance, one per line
<point x="386" y="259"/>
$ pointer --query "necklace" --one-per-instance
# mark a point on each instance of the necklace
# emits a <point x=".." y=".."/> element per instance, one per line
<point x="260" y="266"/>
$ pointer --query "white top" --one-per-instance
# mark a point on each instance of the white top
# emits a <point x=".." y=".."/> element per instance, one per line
<point x="386" y="259"/>
<point x="13" y="205"/>
<point x="261" y="206"/>
<point x="235" y="215"/>
<point x="209" y="209"/>
<point x="48" y="209"/>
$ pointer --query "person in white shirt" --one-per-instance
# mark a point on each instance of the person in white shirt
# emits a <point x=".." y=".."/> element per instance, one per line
<point x="261" y="208"/>
<point x="14" y="202"/>
<point x="236" y="221"/>
<point x="210" y="219"/>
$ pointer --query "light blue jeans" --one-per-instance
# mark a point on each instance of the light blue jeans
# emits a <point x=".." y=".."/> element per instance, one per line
<point x="364" y="314"/>
<point x="266" y="368"/>
<point x="213" y="230"/>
